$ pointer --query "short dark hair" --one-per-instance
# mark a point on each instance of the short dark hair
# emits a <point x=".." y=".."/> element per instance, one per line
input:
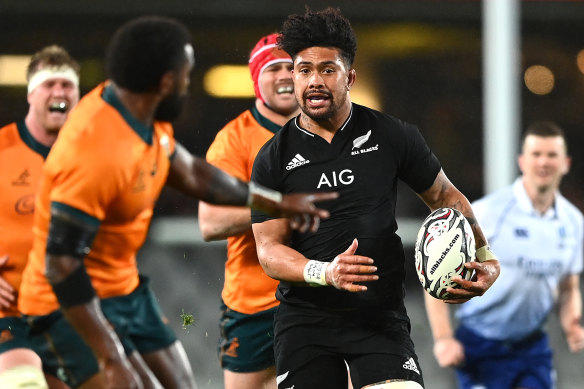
<point x="326" y="28"/>
<point x="145" y="48"/>
<point x="544" y="129"/>
<point x="52" y="55"/>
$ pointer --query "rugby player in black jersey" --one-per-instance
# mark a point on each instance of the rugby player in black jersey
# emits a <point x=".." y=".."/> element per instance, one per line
<point x="342" y="288"/>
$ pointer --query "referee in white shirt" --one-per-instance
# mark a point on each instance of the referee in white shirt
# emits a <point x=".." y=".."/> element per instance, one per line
<point x="538" y="236"/>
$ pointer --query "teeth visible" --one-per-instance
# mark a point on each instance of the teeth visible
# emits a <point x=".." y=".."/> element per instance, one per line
<point x="59" y="106"/>
<point x="285" y="89"/>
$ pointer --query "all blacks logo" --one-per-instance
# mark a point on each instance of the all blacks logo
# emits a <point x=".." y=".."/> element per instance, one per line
<point x="444" y="254"/>
<point x="25" y="205"/>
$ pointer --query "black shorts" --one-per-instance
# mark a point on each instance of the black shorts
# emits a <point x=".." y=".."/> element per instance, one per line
<point x="311" y="347"/>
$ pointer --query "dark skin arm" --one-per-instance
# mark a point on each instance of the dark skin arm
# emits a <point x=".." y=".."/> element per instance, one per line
<point x="281" y="262"/>
<point x="88" y="320"/>
<point x="197" y="178"/>
<point x="443" y="193"/>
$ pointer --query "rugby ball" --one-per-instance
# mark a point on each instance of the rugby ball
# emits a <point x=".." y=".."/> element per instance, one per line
<point x="445" y="242"/>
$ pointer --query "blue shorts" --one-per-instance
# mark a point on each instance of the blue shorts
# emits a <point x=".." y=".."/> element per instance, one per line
<point x="135" y="317"/>
<point x="502" y="364"/>
<point x="13" y="334"/>
<point x="246" y="342"/>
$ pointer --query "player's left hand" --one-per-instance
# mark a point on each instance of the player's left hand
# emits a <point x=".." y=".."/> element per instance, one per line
<point x="575" y="338"/>
<point x="485" y="275"/>
<point x="348" y="270"/>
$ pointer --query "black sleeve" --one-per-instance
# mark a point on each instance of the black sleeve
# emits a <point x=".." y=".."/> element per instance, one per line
<point x="418" y="166"/>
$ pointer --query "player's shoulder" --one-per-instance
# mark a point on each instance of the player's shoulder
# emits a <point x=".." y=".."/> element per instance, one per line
<point x="384" y="120"/>
<point x="243" y="126"/>
<point x="8" y="133"/>
<point x="280" y="138"/>
<point x="495" y="202"/>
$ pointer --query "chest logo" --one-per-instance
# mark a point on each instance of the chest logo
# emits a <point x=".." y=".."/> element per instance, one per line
<point x="521" y="232"/>
<point x="359" y="141"/>
<point x="297" y="161"/>
<point x="334" y="179"/>
<point x="25" y="205"/>
<point x="22" y="179"/>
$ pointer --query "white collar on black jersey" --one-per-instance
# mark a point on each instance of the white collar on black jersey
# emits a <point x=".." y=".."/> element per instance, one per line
<point x="311" y="134"/>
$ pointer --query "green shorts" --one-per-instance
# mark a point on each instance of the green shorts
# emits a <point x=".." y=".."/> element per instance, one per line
<point x="13" y="334"/>
<point x="246" y="342"/>
<point x="136" y="318"/>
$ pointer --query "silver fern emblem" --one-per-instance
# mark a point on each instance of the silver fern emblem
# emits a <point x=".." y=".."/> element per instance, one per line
<point x="358" y="142"/>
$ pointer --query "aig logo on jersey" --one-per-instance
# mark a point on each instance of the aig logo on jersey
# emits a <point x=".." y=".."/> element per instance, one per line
<point x="344" y="177"/>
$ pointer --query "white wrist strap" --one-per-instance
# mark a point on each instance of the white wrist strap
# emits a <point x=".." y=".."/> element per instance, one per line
<point x="255" y="189"/>
<point x="315" y="272"/>
<point x="484" y="254"/>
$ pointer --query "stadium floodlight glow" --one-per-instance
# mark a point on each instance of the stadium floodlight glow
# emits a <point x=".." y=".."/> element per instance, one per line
<point x="13" y="70"/>
<point x="539" y="79"/>
<point x="228" y="81"/>
<point x="580" y="60"/>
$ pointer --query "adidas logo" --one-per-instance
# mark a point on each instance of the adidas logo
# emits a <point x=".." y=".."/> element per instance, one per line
<point x="411" y="365"/>
<point x="298" y="160"/>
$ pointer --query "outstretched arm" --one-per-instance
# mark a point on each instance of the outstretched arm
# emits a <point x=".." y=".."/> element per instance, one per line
<point x="197" y="178"/>
<point x="286" y="264"/>
<point x="220" y="222"/>
<point x="570" y="301"/>
<point x="448" y="351"/>
<point x="443" y="193"/>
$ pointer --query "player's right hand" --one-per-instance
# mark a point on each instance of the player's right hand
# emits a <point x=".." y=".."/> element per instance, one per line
<point x="119" y="374"/>
<point x="449" y="352"/>
<point x="347" y="269"/>
<point x="7" y="293"/>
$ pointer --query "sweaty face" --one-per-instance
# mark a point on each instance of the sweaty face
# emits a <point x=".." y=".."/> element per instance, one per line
<point x="51" y="102"/>
<point x="278" y="89"/>
<point x="321" y="82"/>
<point x="543" y="162"/>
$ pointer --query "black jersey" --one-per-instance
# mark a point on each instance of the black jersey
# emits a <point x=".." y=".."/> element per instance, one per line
<point x="366" y="157"/>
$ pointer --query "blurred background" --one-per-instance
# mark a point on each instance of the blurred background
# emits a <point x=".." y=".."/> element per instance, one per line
<point x="421" y="61"/>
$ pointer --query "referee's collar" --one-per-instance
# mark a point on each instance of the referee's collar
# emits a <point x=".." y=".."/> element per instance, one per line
<point x="527" y="206"/>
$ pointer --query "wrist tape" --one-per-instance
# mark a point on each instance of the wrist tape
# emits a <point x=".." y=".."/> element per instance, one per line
<point x="484" y="254"/>
<point x="315" y="272"/>
<point x="255" y="189"/>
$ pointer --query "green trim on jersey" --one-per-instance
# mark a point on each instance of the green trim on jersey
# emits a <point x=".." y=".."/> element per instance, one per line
<point x="30" y="141"/>
<point x="143" y="131"/>
<point x="76" y="213"/>
<point x="265" y="122"/>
